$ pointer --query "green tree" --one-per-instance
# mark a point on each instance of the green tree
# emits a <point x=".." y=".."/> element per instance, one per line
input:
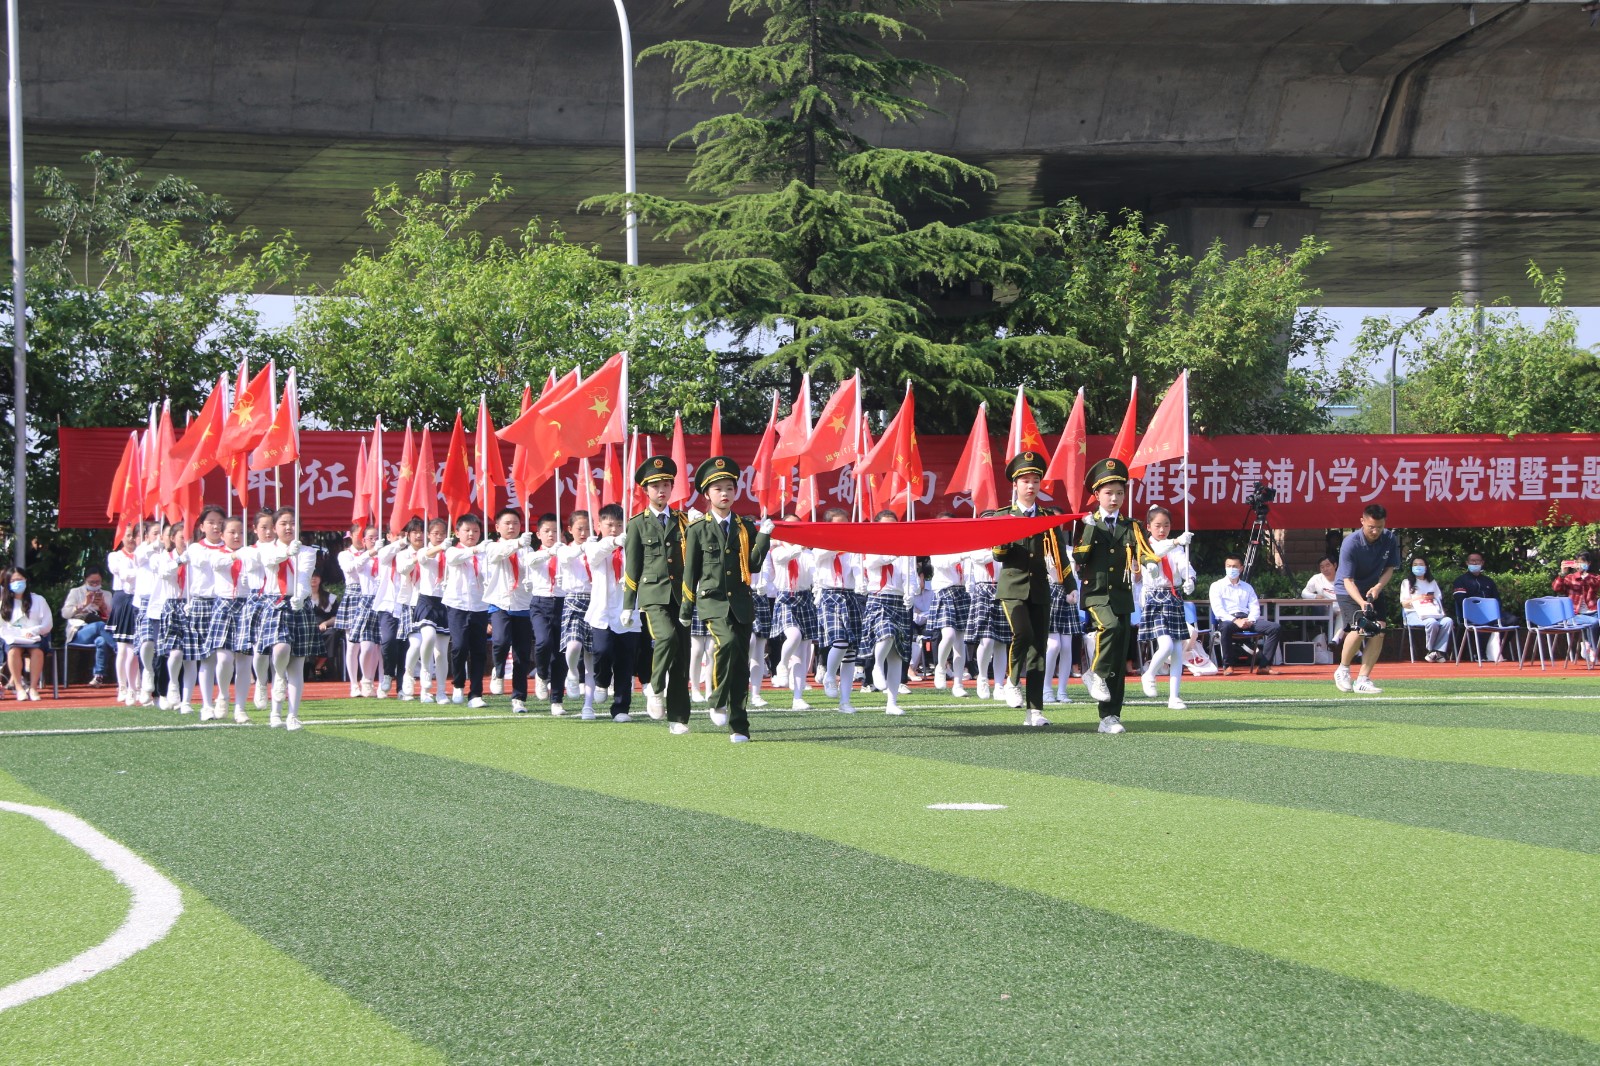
<point x="440" y="315"/>
<point x="805" y="253"/>
<point x="134" y="299"/>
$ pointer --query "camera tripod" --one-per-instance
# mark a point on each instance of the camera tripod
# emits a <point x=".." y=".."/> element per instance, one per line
<point x="1260" y="526"/>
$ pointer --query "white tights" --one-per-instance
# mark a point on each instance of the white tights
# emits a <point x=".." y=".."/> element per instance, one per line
<point x="887" y="657"/>
<point x="292" y="668"/>
<point x="1167" y="655"/>
<point x="952" y="647"/>
<point x="992" y="652"/>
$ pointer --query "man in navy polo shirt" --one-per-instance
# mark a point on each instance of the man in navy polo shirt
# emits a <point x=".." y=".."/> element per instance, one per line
<point x="1368" y="559"/>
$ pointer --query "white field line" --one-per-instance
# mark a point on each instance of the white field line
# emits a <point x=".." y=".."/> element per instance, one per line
<point x="155" y="907"/>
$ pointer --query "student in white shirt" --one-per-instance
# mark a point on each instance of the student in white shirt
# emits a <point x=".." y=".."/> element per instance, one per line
<point x="467" y="611"/>
<point x="577" y="583"/>
<point x="948" y="619"/>
<point x="205" y="556"/>
<point x="124" y="570"/>
<point x="762" y="594"/>
<point x="986" y="624"/>
<point x="394" y="615"/>
<point x="834" y="576"/>
<point x="1420" y="594"/>
<point x="887" y="619"/>
<point x="615" y="644"/>
<point x="1162" y="616"/>
<point x="146" y="589"/>
<point x="253" y="660"/>
<point x="408" y="571"/>
<point x="356" y="616"/>
<point x="432" y="621"/>
<point x="172" y="577"/>
<point x="794" y="616"/>
<point x="507" y="562"/>
<point x="544" y="611"/>
<point x="232" y="592"/>
<point x="288" y="624"/>
<point x="25" y="627"/>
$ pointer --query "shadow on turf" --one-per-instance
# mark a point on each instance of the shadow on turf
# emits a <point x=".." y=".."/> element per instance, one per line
<point x="924" y="729"/>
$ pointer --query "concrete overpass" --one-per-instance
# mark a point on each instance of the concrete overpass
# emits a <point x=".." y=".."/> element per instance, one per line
<point x="1436" y="146"/>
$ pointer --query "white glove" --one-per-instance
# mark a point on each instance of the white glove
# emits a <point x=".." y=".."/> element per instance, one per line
<point x="627" y="619"/>
<point x="297" y="602"/>
<point x="294" y="547"/>
<point x="526" y="540"/>
<point x="766" y="526"/>
<point x="1152" y="571"/>
<point x="450" y="541"/>
<point x="1188" y="586"/>
<point x="1185" y="538"/>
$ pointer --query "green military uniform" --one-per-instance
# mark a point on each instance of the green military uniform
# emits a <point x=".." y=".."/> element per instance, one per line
<point x="652" y="582"/>
<point x="1023" y="586"/>
<point x="1107" y="552"/>
<point x="718" y="558"/>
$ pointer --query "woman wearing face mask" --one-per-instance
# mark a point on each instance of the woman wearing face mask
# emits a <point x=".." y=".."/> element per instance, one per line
<point x="1579" y="581"/>
<point x="25" y="625"/>
<point x="1421" y="596"/>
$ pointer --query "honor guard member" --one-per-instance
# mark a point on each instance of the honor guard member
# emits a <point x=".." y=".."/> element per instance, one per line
<point x="652" y="584"/>
<point x="1023" y="586"/>
<point x="1110" y="548"/>
<point x="720" y="551"/>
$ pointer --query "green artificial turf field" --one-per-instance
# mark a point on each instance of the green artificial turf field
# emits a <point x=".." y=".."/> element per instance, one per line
<point x="1278" y="874"/>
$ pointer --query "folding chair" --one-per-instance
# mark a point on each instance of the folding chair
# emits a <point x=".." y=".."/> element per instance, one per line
<point x="1547" y="618"/>
<point x="1480" y="615"/>
<point x="1415" y="625"/>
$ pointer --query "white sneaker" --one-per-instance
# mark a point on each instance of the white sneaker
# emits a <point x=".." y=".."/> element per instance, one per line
<point x="146" y="699"/>
<point x="1365" y="687"/>
<point x="1062" y="697"/>
<point x="1013" y="695"/>
<point x="678" y="729"/>
<point x="983" y="688"/>
<point x="1147" y="681"/>
<point x="239" y="717"/>
<point x="292" y="722"/>
<point x="622" y="719"/>
<point x="939" y="678"/>
<point x="442" y="700"/>
<point x="780" y="678"/>
<point x="541" y="688"/>
<point x="275" y="720"/>
<point x="738" y="738"/>
<point x="405" y="687"/>
<point x="830" y="687"/>
<point x="1341" y="679"/>
<point x="1175" y="704"/>
<point x="556" y="710"/>
<point x="495" y="686"/>
<point x="1035" y="720"/>
<point x="587" y="714"/>
<point x="366" y="689"/>
<point x="518" y="707"/>
<point x="161" y="703"/>
<point x="1097" y="688"/>
<point x="380" y="691"/>
<point x="653" y="705"/>
<point x="756" y="701"/>
<point x="184" y="708"/>
<point x="799" y="705"/>
<point x="957" y="691"/>
<point x="205" y="712"/>
<point x="1050" y="696"/>
<point x="476" y="703"/>
<point x="905" y="690"/>
<point x="696" y="695"/>
<point x="845" y="708"/>
<point x="355" y="690"/>
<point x="719" y="716"/>
<point x="1111" y="724"/>
<point x="894" y="711"/>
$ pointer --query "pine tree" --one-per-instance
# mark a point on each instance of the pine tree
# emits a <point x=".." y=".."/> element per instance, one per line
<point x="803" y="231"/>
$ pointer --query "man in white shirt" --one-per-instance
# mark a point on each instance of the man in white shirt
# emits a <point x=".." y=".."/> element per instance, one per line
<point x="1236" y="612"/>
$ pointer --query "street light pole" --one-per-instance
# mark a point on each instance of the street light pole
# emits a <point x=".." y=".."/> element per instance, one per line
<point x="19" y="296"/>
<point x="630" y="177"/>
<point x="1394" y="367"/>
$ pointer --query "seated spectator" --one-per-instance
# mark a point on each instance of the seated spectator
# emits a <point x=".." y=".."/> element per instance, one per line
<point x="1476" y="584"/>
<point x="88" y="613"/>
<point x="1236" y="612"/>
<point x="1421" y="596"/>
<point x="1321" y="587"/>
<point x="1579" y="581"/>
<point x="25" y="627"/>
<point x="325" y="606"/>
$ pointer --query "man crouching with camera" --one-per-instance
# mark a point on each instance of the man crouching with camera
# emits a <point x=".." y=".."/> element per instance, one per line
<point x="1368" y="559"/>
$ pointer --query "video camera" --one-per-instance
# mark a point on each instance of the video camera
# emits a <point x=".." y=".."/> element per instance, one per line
<point x="1260" y="498"/>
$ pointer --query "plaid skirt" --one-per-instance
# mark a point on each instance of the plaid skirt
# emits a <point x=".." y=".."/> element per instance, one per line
<point x="149" y="630"/>
<point x="865" y="644"/>
<point x="357" y="618"/>
<point x="797" y="609"/>
<point x="1064" y="617"/>
<point x="697" y="628"/>
<point x="840" y="618"/>
<point x="124" y="618"/>
<point x="887" y="616"/>
<point x="573" y="628"/>
<point x="986" y="621"/>
<point x="226" y="621"/>
<point x="1163" y="616"/>
<point x="197" y="619"/>
<point x="405" y="620"/>
<point x="280" y="623"/>
<point x="762" y="628"/>
<point x="169" y="628"/>
<point x="429" y="611"/>
<point x="951" y="607"/>
<point x="244" y="634"/>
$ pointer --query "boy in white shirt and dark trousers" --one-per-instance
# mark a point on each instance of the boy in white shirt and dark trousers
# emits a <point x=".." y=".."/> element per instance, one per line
<point x="466" y="610"/>
<point x="507" y="563"/>
<point x="544" y="612"/>
<point x="613" y="642"/>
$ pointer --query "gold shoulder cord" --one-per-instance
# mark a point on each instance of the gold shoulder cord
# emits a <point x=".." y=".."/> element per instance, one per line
<point x="744" y="551"/>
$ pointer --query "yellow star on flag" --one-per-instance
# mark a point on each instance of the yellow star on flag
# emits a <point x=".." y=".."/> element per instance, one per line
<point x="837" y="423"/>
<point x="601" y="405"/>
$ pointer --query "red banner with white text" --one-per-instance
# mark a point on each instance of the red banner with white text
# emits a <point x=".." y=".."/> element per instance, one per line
<point x="1321" y="482"/>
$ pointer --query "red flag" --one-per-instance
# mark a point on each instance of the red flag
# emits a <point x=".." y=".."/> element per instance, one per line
<point x="588" y="498"/>
<point x="424" y="502"/>
<point x="1122" y="447"/>
<point x="639" y="500"/>
<point x="682" y="490"/>
<point x="795" y="428"/>
<point x="377" y="475"/>
<point x="133" y="482"/>
<point x="974" y="473"/>
<point x="836" y="438"/>
<point x="1167" y="435"/>
<point x="251" y="414"/>
<point x="521" y="471"/>
<point x="196" y="454"/>
<point x="280" y="444"/>
<point x="897" y="453"/>
<point x="716" y="429"/>
<point x="456" y="482"/>
<point x="116" y="502"/>
<point x="157" y="442"/>
<point x="764" y="482"/>
<point x="188" y="500"/>
<point x="404" y="511"/>
<point x="610" y="478"/>
<point x="1070" y="461"/>
<point x="576" y="424"/>
<point x="361" y="506"/>
<point x="1024" y="435"/>
<point x="487" y="461"/>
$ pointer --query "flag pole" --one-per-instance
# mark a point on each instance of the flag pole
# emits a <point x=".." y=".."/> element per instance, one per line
<point x="484" y="487"/>
<point x="1186" y="492"/>
<point x="377" y="503"/>
<point x="272" y="405"/>
<point x="629" y="446"/>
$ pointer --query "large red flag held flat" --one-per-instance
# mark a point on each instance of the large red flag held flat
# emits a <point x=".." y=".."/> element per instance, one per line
<point x="1122" y="447"/>
<point x="974" y="473"/>
<point x="1167" y="435"/>
<point x="836" y="438"/>
<point x="1024" y="435"/>
<point x="1069" y="464"/>
<point x="456" y="481"/>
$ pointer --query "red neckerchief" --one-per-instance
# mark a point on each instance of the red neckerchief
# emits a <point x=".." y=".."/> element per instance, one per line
<point x="283" y="577"/>
<point x="552" y="569"/>
<point x="1166" y="569"/>
<point x="838" y="569"/>
<point x="183" y="576"/>
<point x="960" y="572"/>
<point x="475" y="571"/>
<point x="588" y="574"/>
<point x="883" y="576"/>
<point x="234" y="569"/>
<point x="516" y="570"/>
<point x="794" y="574"/>
<point x="616" y="563"/>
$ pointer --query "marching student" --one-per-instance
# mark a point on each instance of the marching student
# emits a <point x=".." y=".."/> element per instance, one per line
<point x="986" y="624"/>
<point x="834" y="576"/>
<point x="1110" y="547"/>
<point x="577" y="583"/>
<point x="232" y="597"/>
<point x="794" y="617"/>
<point x="288" y="627"/>
<point x="544" y="612"/>
<point x="1162" y="619"/>
<point x="149" y="599"/>
<point x="360" y="566"/>
<point x="762" y="590"/>
<point x="204" y="557"/>
<point x="172" y="574"/>
<point x="720" y="551"/>
<point x="467" y="613"/>
<point x="1023" y="588"/>
<point x="392" y="614"/>
<point x="254" y="574"/>
<point x="408" y="571"/>
<point x="653" y="587"/>
<point x="1066" y="625"/>
<point x="433" y="623"/>
<point x="948" y="618"/>
<point x="887" y="619"/>
<point x="124" y="570"/>
<point x="700" y="659"/>
<point x="613" y="641"/>
<point x="507" y="562"/>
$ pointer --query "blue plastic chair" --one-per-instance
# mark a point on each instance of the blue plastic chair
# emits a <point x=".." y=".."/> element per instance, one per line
<point x="1480" y="615"/>
<point x="1550" y="617"/>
